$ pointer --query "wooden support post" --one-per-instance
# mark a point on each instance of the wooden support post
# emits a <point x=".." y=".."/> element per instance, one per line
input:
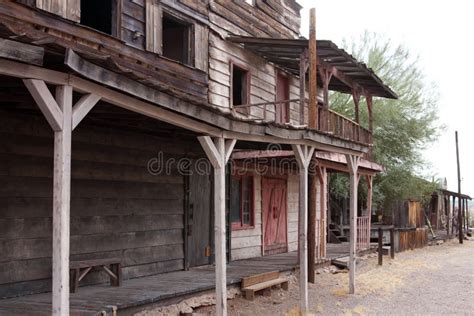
<point x="303" y="64"/>
<point x="460" y="224"/>
<point x="352" y="164"/>
<point x="313" y="179"/>
<point x="368" y="99"/>
<point x="323" y="183"/>
<point x="452" y="216"/>
<point x="313" y="85"/>
<point x="218" y="152"/>
<point x="303" y="155"/>
<point x="392" y="242"/>
<point x="59" y="113"/>
<point x="356" y="99"/>
<point x="380" y="249"/>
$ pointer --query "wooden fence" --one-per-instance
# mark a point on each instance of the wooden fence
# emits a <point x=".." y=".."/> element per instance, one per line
<point x="363" y="233"/>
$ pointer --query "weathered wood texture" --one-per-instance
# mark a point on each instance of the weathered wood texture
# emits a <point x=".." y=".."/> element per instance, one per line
<point x="139" y="293"/>
<point x="247" y="243"/>
<point x="267" y="19"/>
<point x="118" y="209"/>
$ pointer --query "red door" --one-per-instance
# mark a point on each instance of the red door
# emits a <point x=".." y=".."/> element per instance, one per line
<point x="274" y="215"/>
<point x="282" y="93"/>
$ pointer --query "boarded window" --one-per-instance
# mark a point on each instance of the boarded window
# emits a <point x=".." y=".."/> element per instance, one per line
<point x="69" y="9"/>
<point x="176" y="39"/>
<point x="241" y="201"/>
<point x="240" y="88"/>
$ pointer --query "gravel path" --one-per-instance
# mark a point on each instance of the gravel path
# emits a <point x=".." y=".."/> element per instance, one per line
<point x="436" y="280"/>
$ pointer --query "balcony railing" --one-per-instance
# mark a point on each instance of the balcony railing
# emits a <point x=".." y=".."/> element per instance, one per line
<point x="338" y="125"/>
<point x="329" y="122"/>
<point x="363" y="233"/>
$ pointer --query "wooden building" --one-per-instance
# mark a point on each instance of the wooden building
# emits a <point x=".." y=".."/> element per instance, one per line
<point x="117" y="122"/>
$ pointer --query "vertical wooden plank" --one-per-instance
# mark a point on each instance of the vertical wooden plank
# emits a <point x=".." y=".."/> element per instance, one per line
<point x="303" y="57"/>
<point x="312" y="228"/>
<point x="313" y="86"/>
<point x="61" y="203"/>
<point x="201" y="47"/>
<point x="352" y="163"/>
<point x="154" y="32"/>
<point x="72" y="10"/>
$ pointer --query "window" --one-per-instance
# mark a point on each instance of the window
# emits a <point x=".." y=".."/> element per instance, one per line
<point x="176" y="39"/>
<point x="241" y="202"/>
<point x="99" y="15"/>
<point x="240" y="87"/>
<point x="282" y="93"/>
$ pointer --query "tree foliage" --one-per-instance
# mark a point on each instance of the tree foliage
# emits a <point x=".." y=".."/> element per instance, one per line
<point x="403" y="127"/>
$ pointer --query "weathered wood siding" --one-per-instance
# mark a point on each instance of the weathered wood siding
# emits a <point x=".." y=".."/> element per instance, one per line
<point x="118" y="209"/>
<point x="247" y="243"/>
<point x="265" y="19"/>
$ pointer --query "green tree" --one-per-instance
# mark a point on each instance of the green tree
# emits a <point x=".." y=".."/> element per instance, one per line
<point x="402" y="128"/>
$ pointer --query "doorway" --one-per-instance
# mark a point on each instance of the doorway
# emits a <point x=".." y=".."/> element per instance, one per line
<point x="198" y="219"/>
<point x="274" y="204"/>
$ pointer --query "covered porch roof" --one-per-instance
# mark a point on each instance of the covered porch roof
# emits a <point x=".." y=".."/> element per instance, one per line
<point x="286" y="53"/>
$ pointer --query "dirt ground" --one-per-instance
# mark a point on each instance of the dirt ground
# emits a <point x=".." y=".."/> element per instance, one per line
<point x="436" y="280"/>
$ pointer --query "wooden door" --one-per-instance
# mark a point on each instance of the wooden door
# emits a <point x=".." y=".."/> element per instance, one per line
<point x="282" y="93"/>
<point x="198" y="219"/>
<point x="274" y="215"/>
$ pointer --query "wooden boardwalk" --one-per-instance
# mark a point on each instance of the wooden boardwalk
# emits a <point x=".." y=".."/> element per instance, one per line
<point x="104" y="299"/>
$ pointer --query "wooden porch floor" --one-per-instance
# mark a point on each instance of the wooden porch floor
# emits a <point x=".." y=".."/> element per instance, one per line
<point x="103" y="299"/>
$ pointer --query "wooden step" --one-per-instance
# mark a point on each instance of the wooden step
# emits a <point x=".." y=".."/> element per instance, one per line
<point x="250" y="291"/>
<point x="259" y="278"/>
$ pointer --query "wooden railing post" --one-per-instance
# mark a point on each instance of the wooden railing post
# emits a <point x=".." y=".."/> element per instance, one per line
<point x="392" y="243"/>
<point x="380" y="246"/>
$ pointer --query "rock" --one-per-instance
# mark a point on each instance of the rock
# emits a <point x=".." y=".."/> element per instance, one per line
<point x="439" y="242"/>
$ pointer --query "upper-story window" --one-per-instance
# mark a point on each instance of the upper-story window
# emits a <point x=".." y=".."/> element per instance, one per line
<point x="176" y="39"/>
<point x="99" y="15"/>
<point x="282" y="110"/>
<point x="240" y="87"/>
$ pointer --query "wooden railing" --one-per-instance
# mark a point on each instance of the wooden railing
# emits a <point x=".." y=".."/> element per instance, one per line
<point x="338" y="125"/>
<point x="363" y="233"/>
<point x="329" y="122"/>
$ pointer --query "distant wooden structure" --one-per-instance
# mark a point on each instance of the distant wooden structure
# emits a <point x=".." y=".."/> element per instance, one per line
<point x="410" y="226"/>
<point x="119" y="119"/>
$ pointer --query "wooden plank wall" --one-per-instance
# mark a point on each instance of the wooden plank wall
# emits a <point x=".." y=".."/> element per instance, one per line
<point x="265" y="19"/>
<point x="293" y="210"/>
<point x="247" y="243"/>
<point x="118" y="209"/>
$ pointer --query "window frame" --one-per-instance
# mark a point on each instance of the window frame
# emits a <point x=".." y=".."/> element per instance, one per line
<point x="180" y="18"/>
<point x="287" y="110"/>
<point x="241" y="225"/>
<point x="248" y="77"/>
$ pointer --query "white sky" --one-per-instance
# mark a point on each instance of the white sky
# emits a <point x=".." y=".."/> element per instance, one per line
<point x="441" y="33"/>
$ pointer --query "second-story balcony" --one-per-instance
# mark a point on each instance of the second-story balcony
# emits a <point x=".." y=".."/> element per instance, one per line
<point x="334" y="70"/>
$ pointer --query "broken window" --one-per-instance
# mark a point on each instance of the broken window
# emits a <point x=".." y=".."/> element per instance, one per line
<point x="240" y="88"/>
<point x="241" y="201"/>
<point x="176" y="39"/>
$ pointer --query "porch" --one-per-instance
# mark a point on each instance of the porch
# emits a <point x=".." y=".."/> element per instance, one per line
<point x="156" y="290"/>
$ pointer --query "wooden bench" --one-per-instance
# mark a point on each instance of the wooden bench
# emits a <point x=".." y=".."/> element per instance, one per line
<point x="79" y="270"/>
<point x="252" y="284"/>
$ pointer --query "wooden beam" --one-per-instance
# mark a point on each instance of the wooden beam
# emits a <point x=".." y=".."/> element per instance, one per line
<point x="45" y="101"/>
<point x="218" y="151"/>
<point x="303" y="155"/>
<point x="61" y="203"/>
<point x="352" y="164"/>
<point x="231" y="130"/>
<point x="303" y="63"/>
<point x="313" y="85"/>
<point x="26" y="53"/>
<point x="356" y="99"/>
<point x="324" y="222"/>
<point x="82" y="107"/>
